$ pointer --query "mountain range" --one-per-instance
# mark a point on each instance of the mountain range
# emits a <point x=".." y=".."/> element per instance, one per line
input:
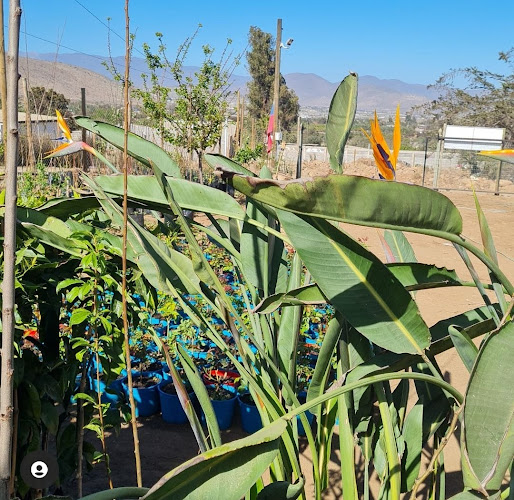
<point x="67" y="73"/>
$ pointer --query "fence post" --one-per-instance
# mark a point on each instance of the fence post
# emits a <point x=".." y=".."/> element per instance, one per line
<point x="300" y="147"/>
<point x="498" y="177"/>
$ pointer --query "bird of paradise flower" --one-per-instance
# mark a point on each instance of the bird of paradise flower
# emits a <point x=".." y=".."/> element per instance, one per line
<point x="70" y="146"/>
<point x="384" y="159"/>
<point x="506" y="155"/>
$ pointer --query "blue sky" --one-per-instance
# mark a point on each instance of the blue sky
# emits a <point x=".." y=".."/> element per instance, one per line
<point x="408" y="40"/>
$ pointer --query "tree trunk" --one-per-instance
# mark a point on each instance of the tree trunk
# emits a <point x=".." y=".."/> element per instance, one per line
<point x="7" y="351"/>
<point x="200" y="170"/>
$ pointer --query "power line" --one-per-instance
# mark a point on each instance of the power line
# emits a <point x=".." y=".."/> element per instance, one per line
<point x="104" y="24"/>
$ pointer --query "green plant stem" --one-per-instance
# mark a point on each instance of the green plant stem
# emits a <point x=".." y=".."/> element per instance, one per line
<point x="118" y="494"/>
<point x="372" y="380"/>
<point x="393" y="460"/>
<point x="435" y="456"/>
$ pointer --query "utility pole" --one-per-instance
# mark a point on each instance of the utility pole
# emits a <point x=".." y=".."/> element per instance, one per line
<point x="299" y="135"/>
<point x="276" y="87"/>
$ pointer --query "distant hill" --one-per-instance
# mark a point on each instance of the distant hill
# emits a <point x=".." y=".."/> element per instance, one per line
<point x="69" y="72"/>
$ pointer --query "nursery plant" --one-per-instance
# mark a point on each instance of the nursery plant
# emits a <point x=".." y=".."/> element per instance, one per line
<point x="377" y="334"/>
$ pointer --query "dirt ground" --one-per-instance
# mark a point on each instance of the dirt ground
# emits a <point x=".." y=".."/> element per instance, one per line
<point x="164" y="446"/>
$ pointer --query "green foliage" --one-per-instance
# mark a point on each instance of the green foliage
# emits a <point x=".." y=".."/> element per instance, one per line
<point x="246" y="154"/>
<point x="475" y="97"/>
<point x="261" y="66"/>
<point x="377" y="334"/>
<point x="43" y="101"/>
<point x="199" y="101"/>
<point x="34" y="188"/>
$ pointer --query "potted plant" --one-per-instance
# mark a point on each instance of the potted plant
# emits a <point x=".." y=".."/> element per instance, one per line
<point x="250" y="418"/>
<point x="223" y="399"/>
<point x="171" y="409"/>
<point x="145" y="392"/>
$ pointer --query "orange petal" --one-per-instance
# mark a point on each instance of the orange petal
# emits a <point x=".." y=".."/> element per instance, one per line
<point x="62" y="125"/>
<point x="506" y="155"/>
<point x="376" y="133"/>
<point x="67" y="148"/>
<point x="397" y="137"/>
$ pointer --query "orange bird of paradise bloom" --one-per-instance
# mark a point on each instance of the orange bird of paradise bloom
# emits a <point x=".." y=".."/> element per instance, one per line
<point x="384" y="159"/>
<point x="70" y="146"/>
<point x="506" y="155"/>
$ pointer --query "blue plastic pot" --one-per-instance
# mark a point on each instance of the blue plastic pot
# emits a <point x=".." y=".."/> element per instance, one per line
<point x="147" y="398"/>
<point x="302" y="398"/>
<point x="171" y="409"/>
<point x="250" y="419"/>
<point x="224" y="410"/>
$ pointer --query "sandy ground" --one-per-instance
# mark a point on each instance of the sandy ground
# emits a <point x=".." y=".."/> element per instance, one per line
<point x="165" y="446"/>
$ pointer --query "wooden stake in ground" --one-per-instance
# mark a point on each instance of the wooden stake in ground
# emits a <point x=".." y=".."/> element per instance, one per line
<point x="3" y="79"/>
<point x="8" y="304"/>
<point x="28" y="126"/>
<point x="124" y="249"/>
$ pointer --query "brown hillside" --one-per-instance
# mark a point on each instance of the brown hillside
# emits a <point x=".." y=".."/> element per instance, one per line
<point x="68" y="80"/>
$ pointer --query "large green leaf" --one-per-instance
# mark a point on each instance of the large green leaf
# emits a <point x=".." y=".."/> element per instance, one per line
<point x="163" y="267"/>
<point x="413" y="437"/>
<point x="64" y="207"/>
<point x="465" y="347"/>
<point x="357" y="200"/>
<point x="230" y="469"/>
<point x="142" y="150"/>
<point x="220" y="162"/>
<point x="189" y="195"/>
<point x="400" y="246"/>
<point x="411" y="276"/>
<point x="340" y="120"/>
<point x="129" y="493"/>
<point x="358" y="285"/>
<point x="282" y="490"/>
<point x="255" y="245"/>
<point x="489" y="410"/>
<point x="289" y="331"/>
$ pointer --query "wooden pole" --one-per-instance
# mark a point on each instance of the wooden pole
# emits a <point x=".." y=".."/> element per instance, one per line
<point x="3" y="79"/>
<point x="28" y="125"/>
<point x="8" y="302"/>
<point x="276" y="85"/>
<point x="238" y="122"/>
<point x="300" y="148"/>
<point x="83" y="111"/>
<point x="252" y="136"/>
<point x="126" y="126"/>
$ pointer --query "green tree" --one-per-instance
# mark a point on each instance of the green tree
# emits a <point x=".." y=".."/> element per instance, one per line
<point x="261" y="66"/>
<point x="189" y="115"/>
<point x="43" y="101"/>
<point x="487" y="99"/>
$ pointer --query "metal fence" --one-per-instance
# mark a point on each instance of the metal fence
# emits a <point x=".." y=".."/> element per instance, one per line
<point x="456" y="170"/>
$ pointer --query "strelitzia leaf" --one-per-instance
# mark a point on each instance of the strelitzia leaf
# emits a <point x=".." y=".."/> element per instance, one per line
<point x="358" y="285"/>
<point x="236" y="465"/>
<point x="358" y="200"/>
<point x="489" y="410"/>
<point x="465" y="347"/>
<point x="142" y="150"/>
<point x="340" y="120"/>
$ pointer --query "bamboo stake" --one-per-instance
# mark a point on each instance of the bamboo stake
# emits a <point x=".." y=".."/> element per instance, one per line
<point x="124" y="250"/>
<point x="28" y="126"/>
<point x="3" y="78"/>
<point x="8" y="306"/>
